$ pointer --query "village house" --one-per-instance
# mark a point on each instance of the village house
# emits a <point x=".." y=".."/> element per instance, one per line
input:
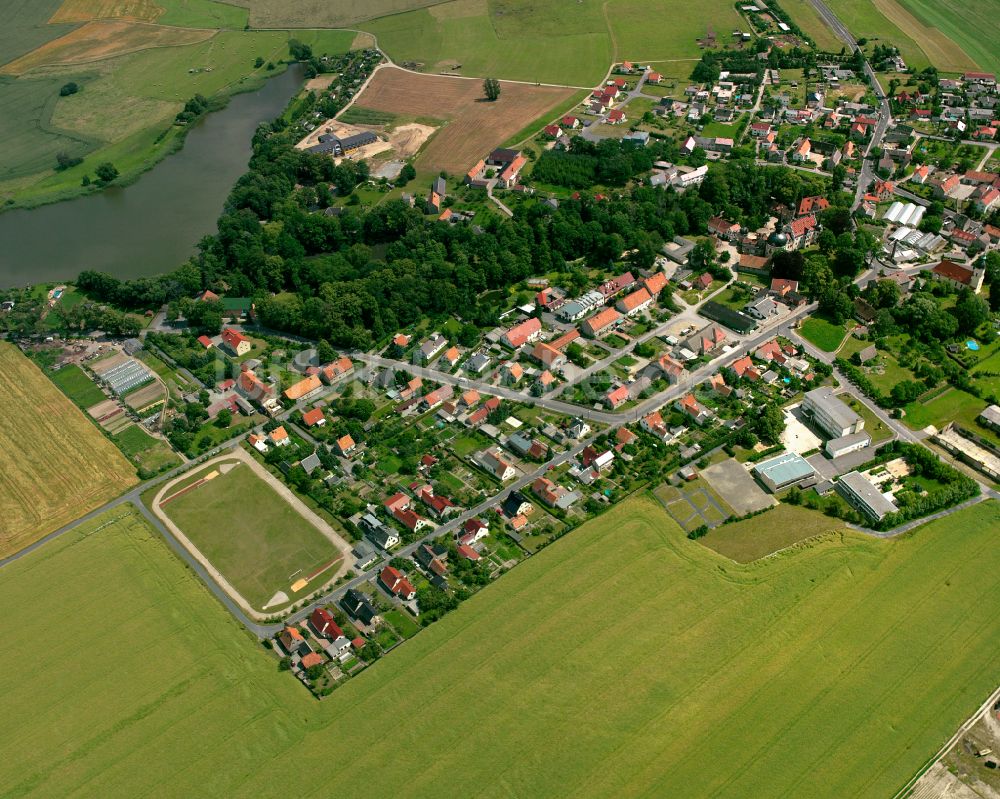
<point x="345" y="445"/>
<point x="616" y="397"/>
<point x="601" y="323"/>
<point x="336" y="370"/>
<point x="279" y="437"/>
<point x="687" y="404"/>
<point x="523" y="333"/>
<point x="304" y="389"/>
<point x="494" y="462"/>
<point x="396" y="584"/>
<point x="235" y="342"/>
<point x="634" y="303"/>
<point x="314" y="418"/>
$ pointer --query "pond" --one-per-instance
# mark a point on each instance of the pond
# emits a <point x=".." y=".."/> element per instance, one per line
<point x="153" y="225"/>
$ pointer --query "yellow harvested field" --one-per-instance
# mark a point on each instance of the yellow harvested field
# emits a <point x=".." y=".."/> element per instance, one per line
<point x="55" y="465"/>
<point x="473" y="127"/>
<point x="942" y="51"/>
<point x="104" y="39"/>
<point x="87" y="10"/>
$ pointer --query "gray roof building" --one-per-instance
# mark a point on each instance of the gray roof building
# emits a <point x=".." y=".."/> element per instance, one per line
<point x="830" y="414"/>
<point x="784" y="470"/>
<point x="864" y="495"/>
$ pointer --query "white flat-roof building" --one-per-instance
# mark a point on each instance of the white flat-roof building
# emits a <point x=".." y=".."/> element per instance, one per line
<point x="836" y="447"/>
<point x="831" y="415"/>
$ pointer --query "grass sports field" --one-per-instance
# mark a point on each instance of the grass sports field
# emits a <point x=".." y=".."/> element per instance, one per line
<point x="54" y="464"/>
<point x="780" y="527"/>
<point x="473" y="127"/>
<point x="833" y="670"/>
<point x="256" y="539"/>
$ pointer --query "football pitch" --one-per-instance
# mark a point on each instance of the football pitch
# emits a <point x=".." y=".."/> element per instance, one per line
<point x="623" y="660"/>
<point x="258" y="541"/>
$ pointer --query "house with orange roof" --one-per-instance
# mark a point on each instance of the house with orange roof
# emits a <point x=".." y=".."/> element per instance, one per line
<point x="801" y="231"/>
<point x="304" y="389"/>
<point x="207" y="296"/>
<point x="336" y="370"/>
<point x="259" y="443"/>
<point x="451" y="356"/>
<point x="434" y="398"/>
<point x="671" y="369"/>
<point x="497" y="465"/>
<point x="279" y="437"/>
<point x="801" y="151"/>
<point x="655" y="283"/>
<point x="548" y="356"/>
<point x="291" y="639"/>
<point x="616" y="397"/>
<point x="653" y="423"/>
<point x="636" y="302"/>
<point x="314" y="418"/>
<point x="252" y="387"/>
<point x="690" y="406"/>
<point x="346" y="445"/>
<point x="811" y="205"/>
<point x="624" y="436"/>
<point x="401" y="340"/>
<point x="527" y="331"/>
<point x="235" y="342"/>
<point x="206" y="342"/>
<point x="601" y="323"/>
<point x="512" y="372"/>
<point x="545" y="380"/>
<point x="469" y="398"/>
<point x="397" y="584"/>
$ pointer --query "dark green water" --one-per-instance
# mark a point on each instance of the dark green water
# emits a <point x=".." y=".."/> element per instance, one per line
<point x="153" y="225"/>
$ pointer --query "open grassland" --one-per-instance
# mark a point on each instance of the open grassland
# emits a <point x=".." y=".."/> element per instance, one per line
<point x="562" y="41"/>
<point x="322" y="13"/>
<point x="773" y="530"/>
<point x="648" y="30"/>
<point x="103" y="39"/>
<point x="624" y="660"/>
<point x="889" y="21"/>
<point x="54" y="464"/>
<point x="259" y="542"/>
<point x="974" y="25"/>
<point x="824" y="334"/>
<point x="473" y="127"/>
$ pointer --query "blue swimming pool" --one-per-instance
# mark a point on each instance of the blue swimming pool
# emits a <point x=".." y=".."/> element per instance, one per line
<point x="972" y="345"/>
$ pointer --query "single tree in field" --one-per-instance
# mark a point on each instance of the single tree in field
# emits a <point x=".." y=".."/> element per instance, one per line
<point x="491" y="86"/>
<point x="106" y="172"/>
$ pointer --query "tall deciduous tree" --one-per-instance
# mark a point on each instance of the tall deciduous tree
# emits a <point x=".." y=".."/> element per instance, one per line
<point x="491" y="87"/>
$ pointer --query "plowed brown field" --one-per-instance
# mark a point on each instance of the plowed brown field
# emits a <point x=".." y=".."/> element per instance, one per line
<point x="472" y="126"/>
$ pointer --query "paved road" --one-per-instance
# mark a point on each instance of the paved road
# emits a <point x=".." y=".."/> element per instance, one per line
<point x="885" y="112"/>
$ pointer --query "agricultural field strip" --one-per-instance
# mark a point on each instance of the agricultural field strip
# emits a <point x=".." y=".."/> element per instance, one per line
<point x="792" y="694"/>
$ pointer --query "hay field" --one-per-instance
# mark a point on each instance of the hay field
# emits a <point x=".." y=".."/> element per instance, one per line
<point x="103" y="39"/>
<point x="623" y="660"/>
<point x="75" y="11"/>
<point x="54" y="464"/>
<point x="920" y="44"/>
<point x="257" y="540"/>
<point x="473" y="127"/>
